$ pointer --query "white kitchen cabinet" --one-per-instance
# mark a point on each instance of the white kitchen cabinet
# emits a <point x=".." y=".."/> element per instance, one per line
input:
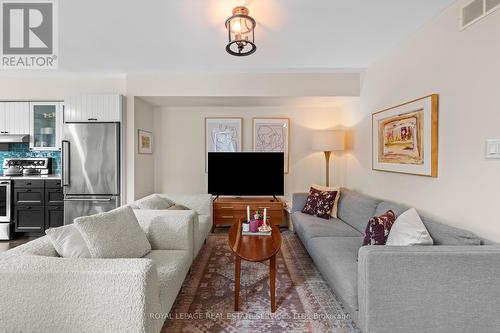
<point x="45" y="124"/>
<point x="14" y="118"/>
<point x="92" y="108"/>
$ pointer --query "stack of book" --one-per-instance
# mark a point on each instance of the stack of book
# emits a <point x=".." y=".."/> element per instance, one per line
<point x="258" y="233"/>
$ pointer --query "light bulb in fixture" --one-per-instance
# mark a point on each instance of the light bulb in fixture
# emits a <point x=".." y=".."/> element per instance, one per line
<point x="236" y="27"/>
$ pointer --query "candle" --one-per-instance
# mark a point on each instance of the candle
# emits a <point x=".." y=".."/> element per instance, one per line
<point x="265" y="214"/>
<point x="248" y="213"/>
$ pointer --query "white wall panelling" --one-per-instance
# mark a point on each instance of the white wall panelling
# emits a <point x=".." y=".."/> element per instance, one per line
<point x="14" y="117"/>
<point x="100" y="108"/>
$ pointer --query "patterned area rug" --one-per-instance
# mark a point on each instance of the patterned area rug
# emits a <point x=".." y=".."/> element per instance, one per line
<point x="305" y="302"/>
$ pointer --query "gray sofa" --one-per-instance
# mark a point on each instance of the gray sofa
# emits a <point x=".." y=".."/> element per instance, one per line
<point x="453" y="286"/>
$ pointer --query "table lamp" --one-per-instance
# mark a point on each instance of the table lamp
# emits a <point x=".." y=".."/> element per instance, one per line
<point x="328" y="141"/>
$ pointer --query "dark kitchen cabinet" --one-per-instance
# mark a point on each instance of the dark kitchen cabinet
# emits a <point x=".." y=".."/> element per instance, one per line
<point x="29" y="196"/>
<point x="54" y="196"/>
<point x="29" y="219"/>
<point x="53" y="183"/>
<point x="28" y="183"/>
<point x="54" y="216"/>
<point x="38" y="205"/>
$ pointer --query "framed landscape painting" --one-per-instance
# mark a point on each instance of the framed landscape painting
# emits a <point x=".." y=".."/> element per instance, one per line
<point x="145" y="143"/>
<point x="272" y="135"/>
<point x="405" y="138"/>
<point x="222" y="135"/>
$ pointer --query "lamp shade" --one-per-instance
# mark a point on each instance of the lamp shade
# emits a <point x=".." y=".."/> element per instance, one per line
<point x="328" y="140"/>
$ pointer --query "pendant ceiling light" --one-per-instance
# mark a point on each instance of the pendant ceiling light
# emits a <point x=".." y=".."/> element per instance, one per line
<point x="240" y="28"/>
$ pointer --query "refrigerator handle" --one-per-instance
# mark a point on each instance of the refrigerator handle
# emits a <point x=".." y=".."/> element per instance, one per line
<point x="88" y="199"/>
<point x="65" y="163"/>
<point x="118" y="161"/>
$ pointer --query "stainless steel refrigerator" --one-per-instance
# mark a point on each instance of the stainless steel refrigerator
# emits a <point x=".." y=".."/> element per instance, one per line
<point x="91" y="168"/>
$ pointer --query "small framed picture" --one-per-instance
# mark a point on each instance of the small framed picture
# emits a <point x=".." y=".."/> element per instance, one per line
<point x="405" y="138"/>
<point x="222" y="135"/>
<point x="272" y="135"/>
<point x="145" y="142"/>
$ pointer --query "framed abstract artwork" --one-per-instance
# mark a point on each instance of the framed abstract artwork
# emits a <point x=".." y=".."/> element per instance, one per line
<point x="272" y="135"/>
<point x="405" y="138"/>
<point x="222" y="135"/>
<point x="145" y="143"/>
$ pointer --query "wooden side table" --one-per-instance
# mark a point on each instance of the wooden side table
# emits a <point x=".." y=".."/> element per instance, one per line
<point x="287" y="212"/>
<point x="255" y="249"/>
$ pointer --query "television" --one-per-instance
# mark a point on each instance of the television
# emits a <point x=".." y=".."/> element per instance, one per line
<point x="246" y="174"/>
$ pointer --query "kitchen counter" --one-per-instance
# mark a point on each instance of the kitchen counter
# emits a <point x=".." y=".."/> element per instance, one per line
<point x="33" y="177"/>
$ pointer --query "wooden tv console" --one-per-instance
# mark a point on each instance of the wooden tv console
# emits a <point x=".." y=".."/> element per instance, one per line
<point x="227" y="211"/>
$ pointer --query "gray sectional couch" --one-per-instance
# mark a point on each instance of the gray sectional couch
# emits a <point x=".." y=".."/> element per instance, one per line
<point x="453" y="286"/>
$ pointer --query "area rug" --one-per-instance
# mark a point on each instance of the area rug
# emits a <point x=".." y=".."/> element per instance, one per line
<point x="305" y="302"/>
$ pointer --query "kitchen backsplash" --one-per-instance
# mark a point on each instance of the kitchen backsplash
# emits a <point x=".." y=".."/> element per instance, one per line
<point x="17" y="150"/>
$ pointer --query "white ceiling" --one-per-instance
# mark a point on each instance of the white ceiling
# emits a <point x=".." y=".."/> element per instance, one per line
<point x="117" y="36"/>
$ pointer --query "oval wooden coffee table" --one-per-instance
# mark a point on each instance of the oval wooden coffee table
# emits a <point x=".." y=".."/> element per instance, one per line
<point x="255" y="249"/>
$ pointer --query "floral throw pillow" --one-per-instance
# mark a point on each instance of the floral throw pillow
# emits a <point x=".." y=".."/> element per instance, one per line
<point x="377" y="229"/>
<point x="320" y="203"/>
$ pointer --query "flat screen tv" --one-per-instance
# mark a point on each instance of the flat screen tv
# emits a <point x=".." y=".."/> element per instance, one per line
<point x="246" y="174"/>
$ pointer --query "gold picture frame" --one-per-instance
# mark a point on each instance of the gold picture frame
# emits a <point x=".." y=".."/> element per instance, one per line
<point x="405" y="138"/>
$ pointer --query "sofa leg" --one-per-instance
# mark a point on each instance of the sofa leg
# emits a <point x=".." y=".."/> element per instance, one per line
<point x="213" y="228"/>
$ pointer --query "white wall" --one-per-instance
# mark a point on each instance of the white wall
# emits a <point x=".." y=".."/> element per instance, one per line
<point x="334" y="83"/>
<point x="464" y="69"/>
<point x="180" y="145"/>
<point x="144" y="181"/>
<point x="341" y="83"/>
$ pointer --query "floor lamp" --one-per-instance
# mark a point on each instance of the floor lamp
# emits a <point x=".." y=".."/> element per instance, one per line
<point x="328" y="141"/>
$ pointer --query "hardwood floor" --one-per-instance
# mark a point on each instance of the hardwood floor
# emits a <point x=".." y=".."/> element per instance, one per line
<point x="7" y="245"/>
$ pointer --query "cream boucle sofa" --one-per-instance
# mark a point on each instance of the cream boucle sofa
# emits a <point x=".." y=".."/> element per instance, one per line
<point x="201" y="204"/>
<point x="42" y="292"/>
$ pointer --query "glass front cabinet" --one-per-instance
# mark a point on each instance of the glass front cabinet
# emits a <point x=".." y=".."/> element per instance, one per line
<point x="46" y="125"/>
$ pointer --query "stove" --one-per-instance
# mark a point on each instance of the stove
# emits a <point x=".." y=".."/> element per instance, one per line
<point x="12" y="168"/>
<point x="26" y="166"/>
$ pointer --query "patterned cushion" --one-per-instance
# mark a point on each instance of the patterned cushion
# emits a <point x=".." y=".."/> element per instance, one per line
<point x="378" y="229"/>
<point x="333" y="212"/>
<point x="320" y="203"/>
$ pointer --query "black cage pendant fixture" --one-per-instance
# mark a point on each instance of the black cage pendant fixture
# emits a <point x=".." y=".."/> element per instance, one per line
<point x="241" y="31"/>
